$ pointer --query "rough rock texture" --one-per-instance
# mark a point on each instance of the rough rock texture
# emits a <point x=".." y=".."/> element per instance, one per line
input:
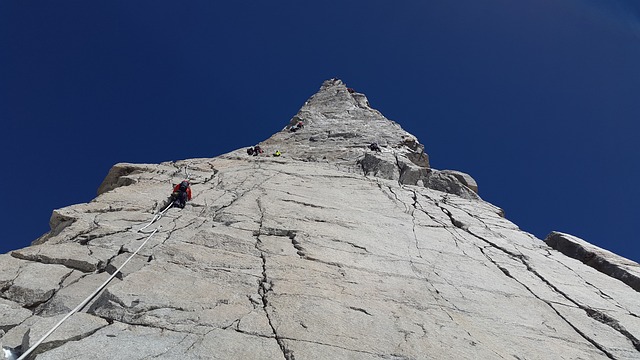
<point x="330" y="251"/>
<point x="602" y="260"/>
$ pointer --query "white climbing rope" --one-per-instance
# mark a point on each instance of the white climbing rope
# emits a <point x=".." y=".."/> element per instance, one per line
<point x="86" y="301"/>
<point x="156" y="217"/>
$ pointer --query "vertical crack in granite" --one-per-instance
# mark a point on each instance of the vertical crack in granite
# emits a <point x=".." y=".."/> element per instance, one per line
<point x="401" y="168"/>
<point x="438" y="296"/>
<point x="413" y="228"/>
<point x="407" y="208"/>
<point x="454" y="235"/>
<point x="265" y="288"/>
<point x="296" y="244"/>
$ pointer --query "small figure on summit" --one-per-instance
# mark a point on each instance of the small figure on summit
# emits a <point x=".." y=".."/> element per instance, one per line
<point x="181" y="194"/>
<point x="277" y="153"/>
<point x="375" y="147"/>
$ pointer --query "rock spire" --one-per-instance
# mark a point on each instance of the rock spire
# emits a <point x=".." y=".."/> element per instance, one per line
<point x="340" y="125"/>
<point x="330" y="251"/>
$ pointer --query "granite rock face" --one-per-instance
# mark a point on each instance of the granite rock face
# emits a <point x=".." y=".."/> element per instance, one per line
<point x="329" y="251"/>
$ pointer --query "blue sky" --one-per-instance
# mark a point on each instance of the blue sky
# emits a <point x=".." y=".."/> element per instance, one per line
<point x="538" y="100"/>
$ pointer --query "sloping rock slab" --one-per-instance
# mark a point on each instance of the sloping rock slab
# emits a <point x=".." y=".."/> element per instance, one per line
<point x="604" y="261"/>
<point x="71" y="255"/>
<point x="36" y="283"/>
<point x="78" y="326"/>
<point x="122" y="341"/>
<point x="12" y="314"/>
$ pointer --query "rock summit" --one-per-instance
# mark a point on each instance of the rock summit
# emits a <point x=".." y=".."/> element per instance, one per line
<point x="332" y="250"/>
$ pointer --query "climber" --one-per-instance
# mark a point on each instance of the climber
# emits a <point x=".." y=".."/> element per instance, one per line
<point x="277" y="153"/>
<point x="297" y="126"/>
<point x="375" y="147"/>
<point x="351" y="90"/>
<point x="254" y="150"/>
<point x="181" y="194"/>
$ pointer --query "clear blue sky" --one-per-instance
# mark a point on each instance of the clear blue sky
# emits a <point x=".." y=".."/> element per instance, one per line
<point x="539" y="100"/>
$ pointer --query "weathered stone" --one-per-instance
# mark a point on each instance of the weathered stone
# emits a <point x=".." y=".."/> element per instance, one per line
<point x="121" y="341"/>
<point x="464" y="178"/>
<point x="9" y="270"/>
<point x="602" y="260"/>
<point x="330" y="251"/>
<point x="36" y="283"/>
<point x="78" y="326"/>
<point x="73" y="293"/>
<point x="71" y="255"/>
<point x="119" y="176"/>
<point x="136" y="263"/>
<point x="12" y="315"/>
<point x="13" y="337"/>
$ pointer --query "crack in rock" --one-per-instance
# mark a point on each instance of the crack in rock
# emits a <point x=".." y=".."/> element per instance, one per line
<point x="599" y="316"/>
<point x="360" y="310"/>
<point x="564" y="318"/>
<point x="265" y="286"/>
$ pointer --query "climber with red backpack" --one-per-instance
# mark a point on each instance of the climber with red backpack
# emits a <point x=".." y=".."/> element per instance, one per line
<point x="181" y="194"/>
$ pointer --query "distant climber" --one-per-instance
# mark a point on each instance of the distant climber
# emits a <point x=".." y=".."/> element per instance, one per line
<point x="254" y="150"/>
<point x="297" y="126"/>
<point x="181" y="194"/>
<point x="375" y="147"/>
<point x="277" y="153"/>
<point x="351" y="90"/>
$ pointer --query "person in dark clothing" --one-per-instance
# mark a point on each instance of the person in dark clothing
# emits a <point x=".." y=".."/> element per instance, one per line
<point x="375" y="147"/>
<point x="181" y="194"/>
<point x="297" y="126"/>
<point x="255" y="151"/>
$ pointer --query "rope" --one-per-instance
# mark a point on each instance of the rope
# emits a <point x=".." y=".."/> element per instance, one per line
<point x="101" y="287"/>
<point x="83" y="303"/>
<point x="156" y="217"/>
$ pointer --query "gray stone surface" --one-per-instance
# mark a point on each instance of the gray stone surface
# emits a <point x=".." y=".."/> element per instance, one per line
<point x="35" y="283"/>
<point x="602" y="260"/>
<point x="330" y="251"/>
<point x="71" y="255"/>
<point x="12" y="315"/>
<point x="78" y="326"/>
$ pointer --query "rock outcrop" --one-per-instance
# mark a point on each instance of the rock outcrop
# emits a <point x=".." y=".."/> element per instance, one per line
<point x="329" y="251"/>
